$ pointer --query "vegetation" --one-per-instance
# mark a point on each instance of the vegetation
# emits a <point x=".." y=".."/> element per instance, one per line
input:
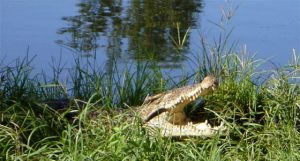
<point x="260" y="109"/>
<point x="86" y="113"/>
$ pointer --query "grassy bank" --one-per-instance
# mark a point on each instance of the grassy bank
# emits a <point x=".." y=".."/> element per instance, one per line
<point x="87" y="115"/>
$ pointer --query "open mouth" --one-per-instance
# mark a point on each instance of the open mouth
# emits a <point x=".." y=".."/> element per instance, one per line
<point x="167" y="113"/>
<point x="191" y="129"/>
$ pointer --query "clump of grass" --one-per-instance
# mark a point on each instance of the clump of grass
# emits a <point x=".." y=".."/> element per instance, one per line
<point x="262" y="118"/>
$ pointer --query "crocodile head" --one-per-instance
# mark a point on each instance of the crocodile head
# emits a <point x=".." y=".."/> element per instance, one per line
<point x="165" y="111"/>
<point x="174" y="101"/>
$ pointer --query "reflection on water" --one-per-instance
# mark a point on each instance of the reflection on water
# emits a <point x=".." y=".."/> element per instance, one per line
<point x="136" y="29"/>
<point x="128" y="30"/>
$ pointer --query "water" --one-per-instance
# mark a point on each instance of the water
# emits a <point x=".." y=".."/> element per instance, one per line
<point x="124" y="31"/>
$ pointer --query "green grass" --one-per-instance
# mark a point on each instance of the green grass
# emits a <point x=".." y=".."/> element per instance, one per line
<point x="260" y="109"/>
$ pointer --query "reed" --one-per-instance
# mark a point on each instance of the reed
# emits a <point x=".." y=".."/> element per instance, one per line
<point x="262" y="116"/>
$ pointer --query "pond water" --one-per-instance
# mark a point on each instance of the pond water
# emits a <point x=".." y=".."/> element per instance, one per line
<point x="123" y="31"/>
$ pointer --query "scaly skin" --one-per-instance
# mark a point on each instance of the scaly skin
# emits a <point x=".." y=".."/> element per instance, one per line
<point x="165" y="111"/>
<point x="173" y="101"/>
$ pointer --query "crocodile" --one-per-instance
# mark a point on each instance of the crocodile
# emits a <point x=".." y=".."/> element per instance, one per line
<point x="165" y="111"/>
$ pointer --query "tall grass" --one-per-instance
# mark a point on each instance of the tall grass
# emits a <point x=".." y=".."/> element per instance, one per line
<point x="262" y="118"/>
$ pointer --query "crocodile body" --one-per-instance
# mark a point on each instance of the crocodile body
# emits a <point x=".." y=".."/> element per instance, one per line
<point x="165" y="111"/>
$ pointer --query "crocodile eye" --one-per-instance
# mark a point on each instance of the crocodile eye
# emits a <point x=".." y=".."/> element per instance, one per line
<point x="216" y="83"/>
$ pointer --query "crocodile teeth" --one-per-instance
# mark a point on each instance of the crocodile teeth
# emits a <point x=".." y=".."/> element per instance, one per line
<point x="194" y="97"/>
<point x="194" y="94"/>
<point x="199" y="91"/>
